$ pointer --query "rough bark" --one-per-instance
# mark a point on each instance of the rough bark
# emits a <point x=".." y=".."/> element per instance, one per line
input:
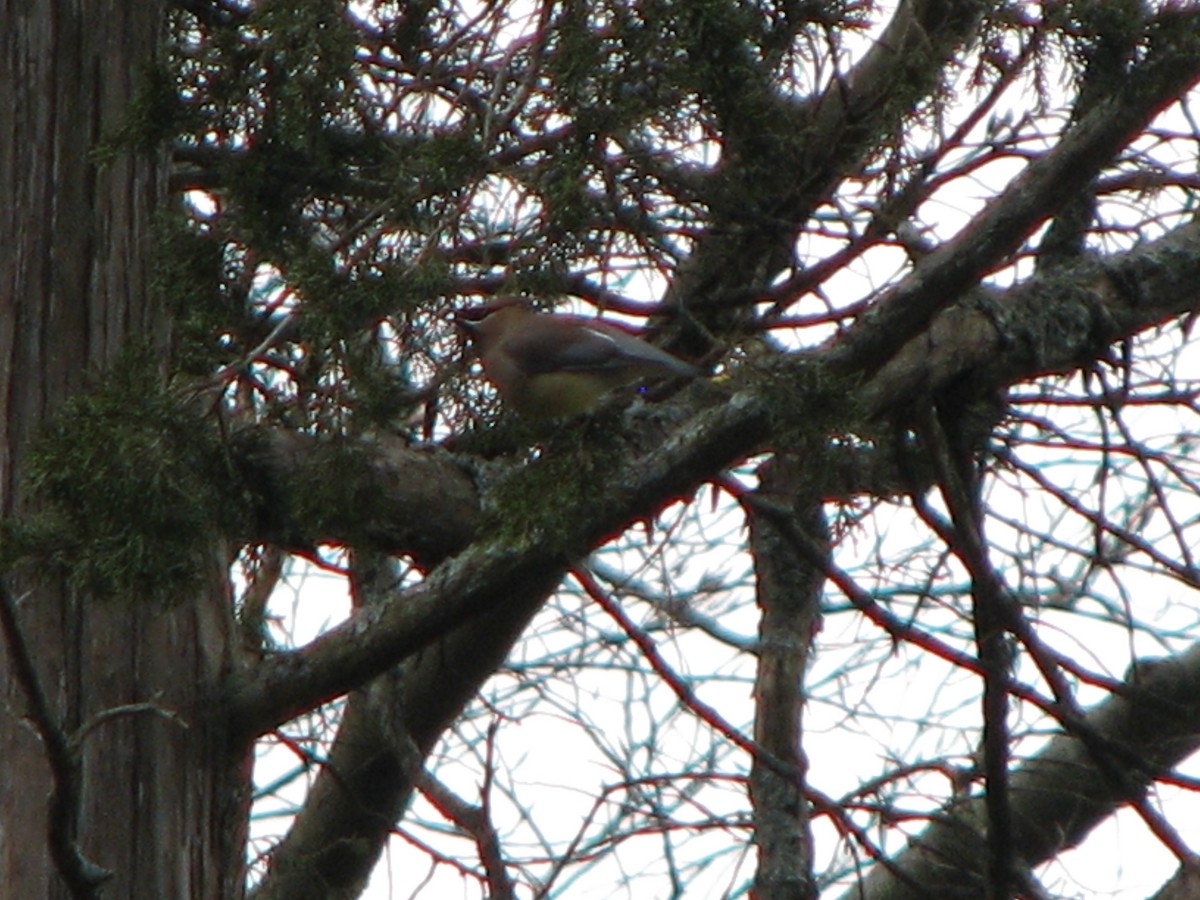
<point x="381" y="497"/>
<point x="155" y="800"/>
<point x="789" y="596"/>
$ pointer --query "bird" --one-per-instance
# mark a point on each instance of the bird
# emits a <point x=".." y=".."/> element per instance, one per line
<point x="555" y="366"/>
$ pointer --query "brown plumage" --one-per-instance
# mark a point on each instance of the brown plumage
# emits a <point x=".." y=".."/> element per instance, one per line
<point x="552" y="366"/>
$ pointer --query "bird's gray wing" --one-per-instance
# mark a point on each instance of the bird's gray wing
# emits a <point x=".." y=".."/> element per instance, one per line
<point x="555" y="346"/>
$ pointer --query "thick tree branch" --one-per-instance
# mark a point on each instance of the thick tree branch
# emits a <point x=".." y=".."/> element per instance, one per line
<point x="361" y="789"/>
<point x="1049" y="182"/>
<point x="1051" y="324"/>
<point x="1046" y="327"/>
<point x="1062" y="792"/>
<point x="1184" y="884"/>
<point x="379" y="493"/>
<point x="485" y="576"/>
<point x="905" y="66"/>
<point x="507" y="572"/>
<point x="771" y="179"/>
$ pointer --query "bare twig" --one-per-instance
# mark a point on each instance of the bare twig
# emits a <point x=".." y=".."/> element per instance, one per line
<point x="475" y="821"/>
<point x="820" y="802"/>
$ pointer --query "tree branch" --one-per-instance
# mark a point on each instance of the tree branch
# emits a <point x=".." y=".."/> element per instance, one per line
<point x="1061" y="793"/>
<point x="756" y="213"/>
<point x="789" y="587"/>
<point x="1048" y="183"/>
<point x="83" y="877"/>
<point x="1045" y="326"/>
<point x="375" y="493"/>
<point x="1052" y="324"/>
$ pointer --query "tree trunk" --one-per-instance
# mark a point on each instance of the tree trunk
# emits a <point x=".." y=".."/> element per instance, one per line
<point x="159" y="801"/>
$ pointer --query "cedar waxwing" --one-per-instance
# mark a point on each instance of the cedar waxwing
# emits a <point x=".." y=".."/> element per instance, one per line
<point x="552" y="366"/>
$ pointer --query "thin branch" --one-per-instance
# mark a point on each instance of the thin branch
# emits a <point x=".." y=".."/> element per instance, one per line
<point x="992" y="609"/>
<point x="116" y="712"/>
<point x="1045" y="185"/>
<point x="680" y="688"/>
<point x="820" y="802"/>
<point x="82" y="876"/>
<point x="475" y="821"/>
